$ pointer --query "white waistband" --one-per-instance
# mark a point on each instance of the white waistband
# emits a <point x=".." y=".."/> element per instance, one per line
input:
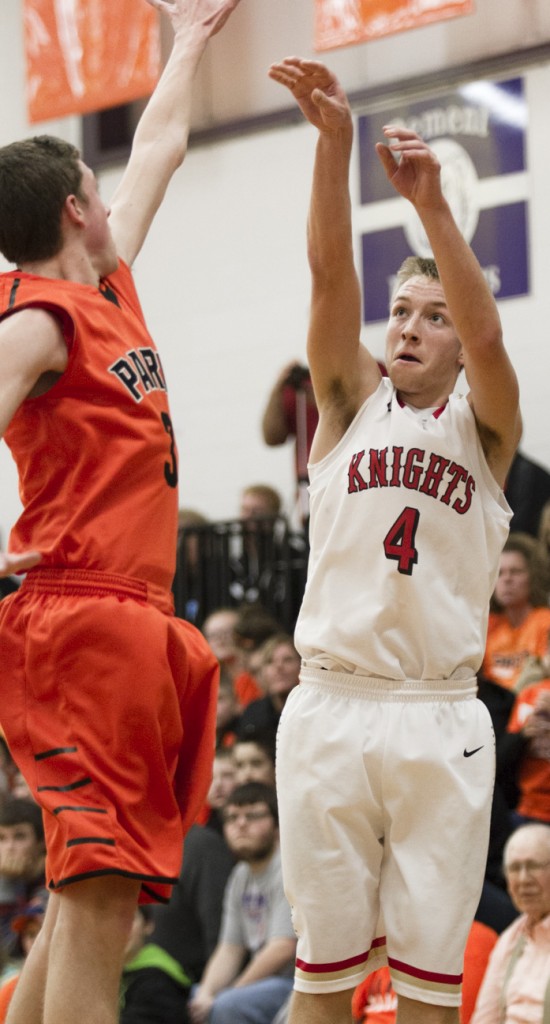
<point x="373" y="688"/>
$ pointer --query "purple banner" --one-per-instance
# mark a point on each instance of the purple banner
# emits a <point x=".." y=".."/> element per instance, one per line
<point x="478" y="133"/>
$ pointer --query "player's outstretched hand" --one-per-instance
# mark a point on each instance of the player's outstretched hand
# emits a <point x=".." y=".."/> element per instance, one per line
<point x="209" y="15"/>
<point x="316" y="90"/>
<point x="10" y="563"/>
<point x="416" y="174"/>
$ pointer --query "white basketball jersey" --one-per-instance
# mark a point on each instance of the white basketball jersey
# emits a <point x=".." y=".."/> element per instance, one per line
<point x="407" y="525"/>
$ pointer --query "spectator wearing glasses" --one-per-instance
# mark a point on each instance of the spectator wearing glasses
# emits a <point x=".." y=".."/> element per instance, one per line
<point x="516" y="986"/>
<point x="249" y="975"/>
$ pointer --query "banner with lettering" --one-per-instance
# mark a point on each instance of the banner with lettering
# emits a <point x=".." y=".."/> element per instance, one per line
<point x="342" y="22"/>
<point x="478" y="132"/>
<point x="86" y="55"/>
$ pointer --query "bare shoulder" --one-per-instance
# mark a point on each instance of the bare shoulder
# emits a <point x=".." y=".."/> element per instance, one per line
<point x="32" y="338"/>
<point x="33" y="354"/>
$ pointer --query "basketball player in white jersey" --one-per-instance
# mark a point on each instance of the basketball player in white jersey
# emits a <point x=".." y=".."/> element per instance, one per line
<point x="385" y="756"/>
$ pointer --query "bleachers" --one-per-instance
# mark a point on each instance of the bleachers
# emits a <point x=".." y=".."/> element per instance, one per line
<point x="226" y="564"/>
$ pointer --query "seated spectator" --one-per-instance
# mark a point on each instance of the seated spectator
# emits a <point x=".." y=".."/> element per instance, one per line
<point x="219" y="629"/>
<point x="188" y="926"/>
<point x="254" y="626"/>
<point x="22" y="859"/>
<point x="228" y="712"/>
<point x="250" y="973"/>
<point x="154" y="986"/>
<point x="251" y="562"/>
<point x="223" y="782"/>
<point x="280" y="668"/>
<point x="515" y="985"/>
<point x="530" y="722"/>
<point x="26" y="927"/>
<point x="254" y="758"/>
<point x="520" y="620"/>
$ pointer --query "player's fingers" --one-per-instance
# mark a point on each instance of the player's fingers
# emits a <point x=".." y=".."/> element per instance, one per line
<point x="14" y="563"/>
<point x="386" y="157"/>
<point x="397" y="131"/>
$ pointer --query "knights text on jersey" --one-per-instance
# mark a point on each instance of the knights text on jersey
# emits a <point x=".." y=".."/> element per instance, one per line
<point x="407" y="525"/>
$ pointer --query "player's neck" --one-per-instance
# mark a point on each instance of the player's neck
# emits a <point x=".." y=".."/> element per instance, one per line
<point x="434" y="399"/>
<point x="69" y="264"/>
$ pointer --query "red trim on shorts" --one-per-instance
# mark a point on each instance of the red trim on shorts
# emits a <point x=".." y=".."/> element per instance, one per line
<point x="415" y="972"/>
<point x="340" y="965"/>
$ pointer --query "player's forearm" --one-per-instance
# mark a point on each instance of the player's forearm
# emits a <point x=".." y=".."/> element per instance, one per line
<point x="330" y="247"/>
<point x="166" y="119"/>
<point x="470" y="301"/>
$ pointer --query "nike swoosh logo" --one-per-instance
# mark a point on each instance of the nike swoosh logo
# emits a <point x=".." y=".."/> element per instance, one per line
<point x="468" y="753"/>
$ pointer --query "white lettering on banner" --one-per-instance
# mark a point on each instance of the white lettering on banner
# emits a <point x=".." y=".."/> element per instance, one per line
<point x="451" y="120"/>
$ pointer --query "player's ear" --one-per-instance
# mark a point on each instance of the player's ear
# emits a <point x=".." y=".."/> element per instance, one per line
<point x="74" y="209"/>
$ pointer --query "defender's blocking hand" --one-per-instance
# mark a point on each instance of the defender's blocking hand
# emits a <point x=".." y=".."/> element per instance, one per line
<point x="316" y="90"/>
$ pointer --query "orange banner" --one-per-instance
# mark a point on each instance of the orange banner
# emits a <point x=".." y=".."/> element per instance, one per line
<point x="342" y="22"/>
<point x="85" y="55"/>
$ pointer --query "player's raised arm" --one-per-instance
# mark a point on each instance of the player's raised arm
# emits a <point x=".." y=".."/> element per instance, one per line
<point x="160" y="140"/>
<point x="491" y="378"/>
<point x="342" y="371"/>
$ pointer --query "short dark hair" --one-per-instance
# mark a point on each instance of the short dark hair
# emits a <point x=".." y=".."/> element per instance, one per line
<point x="262" y="737"/>
<point x="36" y="176"/>
<point x="254" y="793"/>
<point x="21" y="811"/>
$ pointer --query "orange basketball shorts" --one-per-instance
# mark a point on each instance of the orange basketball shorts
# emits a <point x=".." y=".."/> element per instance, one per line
<point x="108" y="705"/>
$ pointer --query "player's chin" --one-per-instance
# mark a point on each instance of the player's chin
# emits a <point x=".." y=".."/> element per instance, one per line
<point x="404" y="372"/>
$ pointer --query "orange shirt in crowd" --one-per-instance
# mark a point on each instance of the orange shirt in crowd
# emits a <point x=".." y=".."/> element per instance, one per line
<point x="246" y="689"/>
<point x="508" y="647"/>
<point x="534" y="772"/>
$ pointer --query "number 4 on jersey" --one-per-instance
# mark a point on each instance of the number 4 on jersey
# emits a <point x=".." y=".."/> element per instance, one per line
<point x="399" y="540"/>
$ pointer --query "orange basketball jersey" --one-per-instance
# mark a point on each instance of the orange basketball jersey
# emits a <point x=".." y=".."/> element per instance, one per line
<point x="96" y="454"/>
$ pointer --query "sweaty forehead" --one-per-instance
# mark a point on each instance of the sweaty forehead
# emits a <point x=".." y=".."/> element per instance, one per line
<point x="425" y="290"/>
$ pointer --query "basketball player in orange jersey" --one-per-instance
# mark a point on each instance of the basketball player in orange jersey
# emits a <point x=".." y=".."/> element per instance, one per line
<point x="109" y="701"/>
<point x="385" y="758"/>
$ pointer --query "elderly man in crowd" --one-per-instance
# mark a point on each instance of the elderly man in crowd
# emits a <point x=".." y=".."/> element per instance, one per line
<point x="516" y="986"/>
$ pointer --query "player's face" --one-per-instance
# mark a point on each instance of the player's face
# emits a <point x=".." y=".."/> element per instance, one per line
<point x="512" y="586"/>
<point x="99" y="240"/>
<point x="527" y="870"/>
<point x="250" y="831"/>
<point x="423" y="353"/>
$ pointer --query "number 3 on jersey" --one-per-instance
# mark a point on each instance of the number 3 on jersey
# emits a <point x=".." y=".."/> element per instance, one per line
<point x="399" y="540"/>
<point x="170" y="468"/>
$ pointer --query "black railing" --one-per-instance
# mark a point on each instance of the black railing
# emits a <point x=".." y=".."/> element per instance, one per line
<point x="228" y="564"/>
